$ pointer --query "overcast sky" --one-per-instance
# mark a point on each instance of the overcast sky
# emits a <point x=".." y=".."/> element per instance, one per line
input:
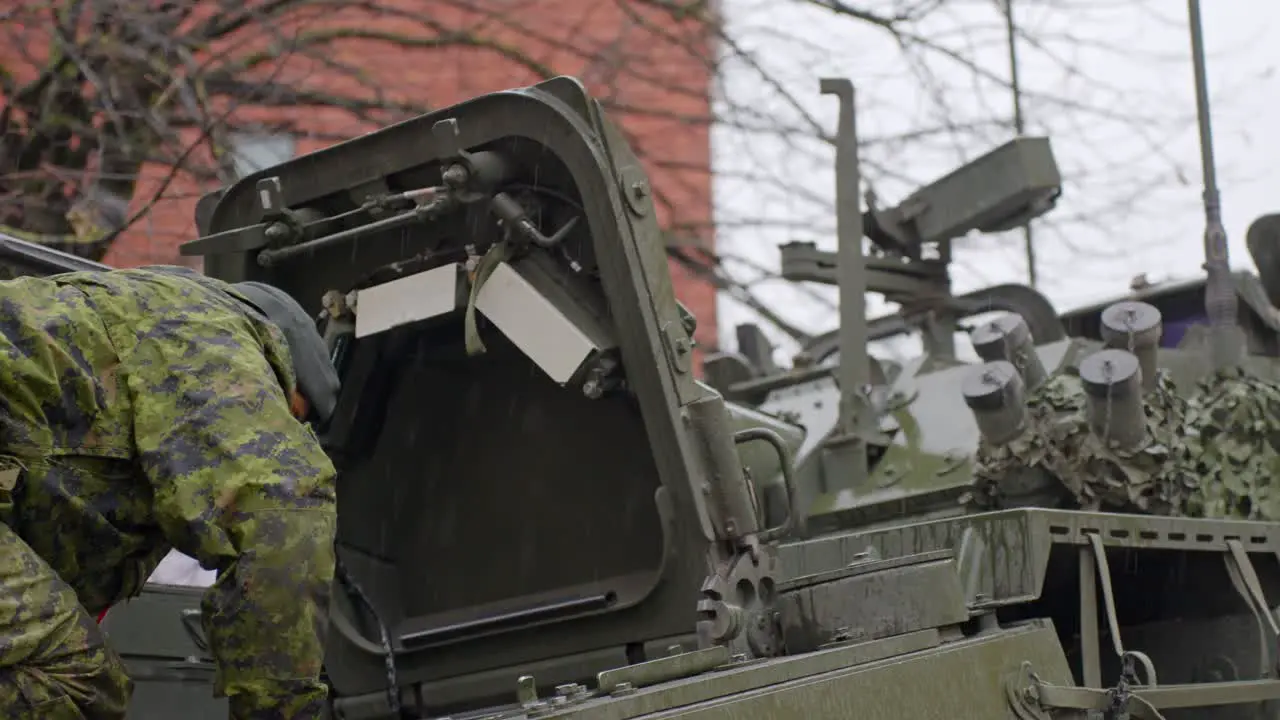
<point x="1132" y="201"/>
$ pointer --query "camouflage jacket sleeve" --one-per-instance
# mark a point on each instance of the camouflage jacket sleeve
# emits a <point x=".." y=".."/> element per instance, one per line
<point x="240" y="485"/>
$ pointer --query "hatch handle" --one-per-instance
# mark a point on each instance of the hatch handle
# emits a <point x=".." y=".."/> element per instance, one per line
<point x="191" y="623"/>
<point x="788" y="478"/>
<point x="508" y="620"/>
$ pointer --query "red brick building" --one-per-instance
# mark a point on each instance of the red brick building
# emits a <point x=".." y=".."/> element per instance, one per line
<point x="655" y="71"/>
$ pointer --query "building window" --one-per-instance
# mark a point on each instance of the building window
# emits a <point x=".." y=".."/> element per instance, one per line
<point x="251" y="152"/>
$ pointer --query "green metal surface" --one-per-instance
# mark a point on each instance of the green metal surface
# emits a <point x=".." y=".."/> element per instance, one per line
<point x="748" y="678"/>
<point x="965" y="679"/>
<point x="165" y="654"/>
<point x="960" y="679"/>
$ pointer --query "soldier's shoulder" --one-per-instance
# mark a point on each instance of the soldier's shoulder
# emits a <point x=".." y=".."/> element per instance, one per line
<point x="150" y="295"/>
<point x="175" y="282"/>
<point x="27" y="299"/>
<point x="24" y="285"/>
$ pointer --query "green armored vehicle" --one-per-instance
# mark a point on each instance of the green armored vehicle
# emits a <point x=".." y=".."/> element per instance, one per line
<point x="543" y="514"/>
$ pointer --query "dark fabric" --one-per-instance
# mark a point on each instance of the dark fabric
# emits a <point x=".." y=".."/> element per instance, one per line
<point x="316" y="375"/>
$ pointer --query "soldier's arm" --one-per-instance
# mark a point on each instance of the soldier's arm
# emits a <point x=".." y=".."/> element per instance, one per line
<point x="243" y="487"/>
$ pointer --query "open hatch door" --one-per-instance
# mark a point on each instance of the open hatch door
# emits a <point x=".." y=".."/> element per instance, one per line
<point x="530" y="505"/>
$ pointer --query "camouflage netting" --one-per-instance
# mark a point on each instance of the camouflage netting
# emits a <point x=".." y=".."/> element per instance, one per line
<point x="1211" y="455"/>
<point x="1058" y="452"/>
<point x="1235" y="450"/>
<point x="1006" y="472"/>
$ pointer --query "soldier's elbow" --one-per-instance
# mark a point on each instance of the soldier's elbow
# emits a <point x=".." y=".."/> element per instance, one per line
<point x="297" y="543"/>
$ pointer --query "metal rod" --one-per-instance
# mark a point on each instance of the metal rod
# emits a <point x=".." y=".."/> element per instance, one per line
<point x="267" y="258"/>
<point x="1208" y="167"/>
<point x="44" y="260"/>
<point x="1220" y="294"/>
<point x="1019" y="126"/>
<point x="508" y="620"/>
<point x="855" y="368"/>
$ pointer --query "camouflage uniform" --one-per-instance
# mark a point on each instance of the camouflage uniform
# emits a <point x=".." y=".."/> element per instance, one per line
<point x="141" y="411"/>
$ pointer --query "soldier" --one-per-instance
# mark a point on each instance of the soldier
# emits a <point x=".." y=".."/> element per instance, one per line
<point x="150" y="409"/>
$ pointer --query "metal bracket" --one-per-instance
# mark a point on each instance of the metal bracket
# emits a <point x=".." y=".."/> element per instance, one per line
<point x="191" y="623"/>
<point x="365" y="194"/>
<point x="894" y="229"/>
<point x="679" y="348"/>
<point x="672" y="667"/>
<point x="1030" y="698"/>
<point x="271" y="199"/>
<point x="276" y="227"/>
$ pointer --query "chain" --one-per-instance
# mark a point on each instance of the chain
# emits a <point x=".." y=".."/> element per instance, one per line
<point x="1107" y="376"/>
<point x="1119" y="696"/>
<point x="1131" y="344"/>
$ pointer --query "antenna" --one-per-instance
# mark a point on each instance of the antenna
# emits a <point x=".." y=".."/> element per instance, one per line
<point x="1226" y="338"/>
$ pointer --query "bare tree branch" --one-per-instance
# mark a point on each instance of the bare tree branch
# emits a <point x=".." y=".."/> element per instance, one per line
<point x="139" y="100"/>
